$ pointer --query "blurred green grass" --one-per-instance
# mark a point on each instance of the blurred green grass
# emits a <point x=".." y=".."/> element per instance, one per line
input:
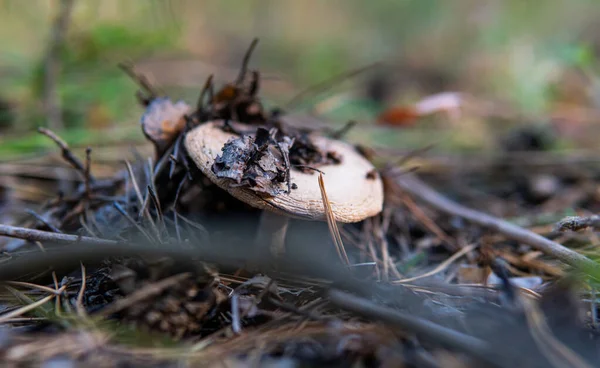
<point x="511" y="50"/>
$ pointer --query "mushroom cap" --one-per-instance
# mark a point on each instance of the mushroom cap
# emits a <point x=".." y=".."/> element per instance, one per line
<point x="353" y="194"/>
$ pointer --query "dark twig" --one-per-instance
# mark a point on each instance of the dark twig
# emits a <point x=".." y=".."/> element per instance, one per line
<point x="245" y="61"/>
<point x="205" y="89"/>
<point x="414" y="186"/>
<point x="327" y="84"/>
<point x="178" y="192"/>
<point x="86" y="177"/>
<point x="38" y="235"/>
<point x="39" y="218"/>
<point x="66" y="152"/>
<point x="421" y="327"/>
<point x="134" y="182"/>
<point x="577" y="223"/>
<point x="211" y="98"/>
<point x="174" y="157"/>
<point x="156" y="203"/>
<point x="255" y="83"/>
<point x="340" y="133"/>
<point x="142" y="81"/>
<point x="132" y="221"/>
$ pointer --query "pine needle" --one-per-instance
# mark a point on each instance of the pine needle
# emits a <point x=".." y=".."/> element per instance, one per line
<point x="331" y="223"/>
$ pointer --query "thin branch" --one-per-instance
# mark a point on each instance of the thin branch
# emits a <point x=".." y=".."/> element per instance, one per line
<point x="88" y="166"/>
<point x="205" y="89"/>
<point x="420" y="190"/>
<point x="421" y="327"/>
<point x="577" y="223"/>
<point x="340" y="133"/>
<point x="136" y="187"/>
<point x="132" y="221"/>
<point x="66" y="152"/>
<point x="38" y="235"/>
<point x="327" y="84"/>
<point x="41" y="220"/>
<point x="142" y="81"/>
<point x="245" y="62"/>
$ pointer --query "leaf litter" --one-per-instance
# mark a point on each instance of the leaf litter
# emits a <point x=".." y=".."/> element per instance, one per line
<point x="147" y="267"/>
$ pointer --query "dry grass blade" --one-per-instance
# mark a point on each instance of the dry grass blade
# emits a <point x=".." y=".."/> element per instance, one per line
<point x="442" y="266"/>
<point x="132" y="221"/>
<point x="80" y="308"/>
<point x="32" y="286"/>
<point x="327" y="84"/>
<point x="331" y="223"/>
<point x="134" y="182"/>
<point x="19" y="312"/>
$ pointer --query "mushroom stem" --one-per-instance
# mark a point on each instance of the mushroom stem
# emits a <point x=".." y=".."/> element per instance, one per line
<point x="271" y="233"/>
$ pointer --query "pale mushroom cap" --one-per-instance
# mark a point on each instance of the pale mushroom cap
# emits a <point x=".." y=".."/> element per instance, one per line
<point x="353" y="195"/>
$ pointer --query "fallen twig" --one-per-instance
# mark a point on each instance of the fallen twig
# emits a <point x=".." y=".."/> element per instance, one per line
<point x="245" y="62"/>
<point x="559" y="354"/>
<point x="577" y="223"/>
<point x="417" y="188"/>
<point x="87" y="175"/>
<point x="67" y="154"/>
<point x="41" y="220"/>
<point x="429" y="330"/>
<point x="39" y="235"/>
<point x="143" y="82"/>
<point x="328" y="84"/>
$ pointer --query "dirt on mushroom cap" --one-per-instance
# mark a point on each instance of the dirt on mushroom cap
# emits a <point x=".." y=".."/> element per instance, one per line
<point x="258" y="162"/>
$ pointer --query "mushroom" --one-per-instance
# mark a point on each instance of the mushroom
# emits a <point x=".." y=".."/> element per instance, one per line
<point x="354" y="188"/>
